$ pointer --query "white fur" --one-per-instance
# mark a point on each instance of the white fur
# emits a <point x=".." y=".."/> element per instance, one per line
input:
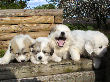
<point x="35" y="57"/>
<point x="44" y="41"/>
<point x="90" y="41"/>
<point x="60" y="52"/>
<point x="8" y="56"/>
<point x="77" y="42"/>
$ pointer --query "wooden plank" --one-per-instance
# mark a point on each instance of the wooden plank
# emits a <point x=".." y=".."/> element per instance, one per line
<point x="58" y="19"/>
<point x="25" y="20"/>
<point x="4" y="45"/>
<point x="26" y="70"/>
<point x="9" y="36"/>
<point x="66" y="77"/>
<point x="25" y="28"/>
<point x="31" y="12"/>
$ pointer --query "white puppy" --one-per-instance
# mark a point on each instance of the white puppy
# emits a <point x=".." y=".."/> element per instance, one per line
<point x="93" y="42"/>
<point x="18" y="49"/>
<point x="40" y="51"/>
<point x="60" y="40"/>
<point x="65" y="43"/>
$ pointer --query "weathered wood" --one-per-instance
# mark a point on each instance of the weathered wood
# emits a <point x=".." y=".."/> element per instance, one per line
<point x="25" y="70"/>
<point x="4" y="45"/>
<point x="25" y="20"/>
<point x="9" y="36"/>
<point x="25" y="27"/>
<point x="66" y="77"/>
<point x="31" y="12"/>
<point x="58" y="19"/>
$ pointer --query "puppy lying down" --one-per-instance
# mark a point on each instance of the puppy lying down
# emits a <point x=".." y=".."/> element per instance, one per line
<point x="40" y="51"/>
<point x="18" y="49"/>
<point x="74" y="43"/>
<point x="94" y="43"/>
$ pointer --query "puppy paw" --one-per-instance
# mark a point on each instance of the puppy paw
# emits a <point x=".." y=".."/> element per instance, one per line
<point x="45" y="62"/>
<point x="96" y="62"/>
<point x="2" y="62"/>
<point x="58" y="59"/>
<point x="76" y="59"/>
<point x="36" y="62"/>
<point x="96" y="66"/>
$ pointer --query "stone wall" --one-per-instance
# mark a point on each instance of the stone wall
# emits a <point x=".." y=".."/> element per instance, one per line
<point x="33" y="22"/>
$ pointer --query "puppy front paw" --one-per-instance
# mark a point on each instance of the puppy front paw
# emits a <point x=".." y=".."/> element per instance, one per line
<point x="58" y="59"/>
<point x="2" y="62"/>
<point x="96" y="63"/>
<point x="35" y="62"/>
<point x="45" y="62"/>
<point x="75" y="58"/>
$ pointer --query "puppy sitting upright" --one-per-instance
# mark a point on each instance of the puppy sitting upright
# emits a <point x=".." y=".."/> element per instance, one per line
<point x="18" y="49"/>
<point x="60" y="40"/>
<point x="40" y="51"/>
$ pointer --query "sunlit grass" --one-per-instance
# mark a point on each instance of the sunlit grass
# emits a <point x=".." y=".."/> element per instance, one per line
<point x="2" y="52"/>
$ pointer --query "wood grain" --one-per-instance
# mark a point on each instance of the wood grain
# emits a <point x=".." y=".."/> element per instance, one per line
<point x="25" y="20"/>
<point x="26" y="70"/>
<point x="30" y="12"/>
<point x="9" y="36"/>
<point x="25" y="28"/>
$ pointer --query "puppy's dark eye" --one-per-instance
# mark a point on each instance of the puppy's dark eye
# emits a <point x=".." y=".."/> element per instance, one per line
<point x="100" y="47"/>
<point x="18" y="53"/>
<point x="52" y="51"/>
<point x="25" y="53"/>
<point x="45" y="52"/>
<point x="33" y="51"/>
<point x="11" y="49"/>
<point x="37" y="52"/>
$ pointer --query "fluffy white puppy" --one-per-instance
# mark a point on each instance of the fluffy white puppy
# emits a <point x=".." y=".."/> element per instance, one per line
<point x="93" y="42"/>
<point x="18" y="49"/>
<point x="60" y="40"/>
<point x="40" y="51"/>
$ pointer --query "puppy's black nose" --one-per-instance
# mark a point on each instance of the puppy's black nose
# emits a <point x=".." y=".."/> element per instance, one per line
<point x="22" y="60"/>
<point x="62" y="33"/>
<point x="39" y="57"/>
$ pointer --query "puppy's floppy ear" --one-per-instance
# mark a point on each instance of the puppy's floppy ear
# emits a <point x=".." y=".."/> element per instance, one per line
<point x="11" y="49"/>
<point x="31" y="46"/>
<point x="89" y="47"/>
<point x="14" y="46"/>
<point x="52" y="30"/>
<point x="52" y="51"/>
<point x="35" y="45"/>
<point x="27" y="42"/>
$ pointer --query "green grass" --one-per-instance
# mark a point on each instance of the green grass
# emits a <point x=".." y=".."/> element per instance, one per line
<point x="80" y="27"/>
<point x="2" y="52"/>
<point x="108" y="35"/>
